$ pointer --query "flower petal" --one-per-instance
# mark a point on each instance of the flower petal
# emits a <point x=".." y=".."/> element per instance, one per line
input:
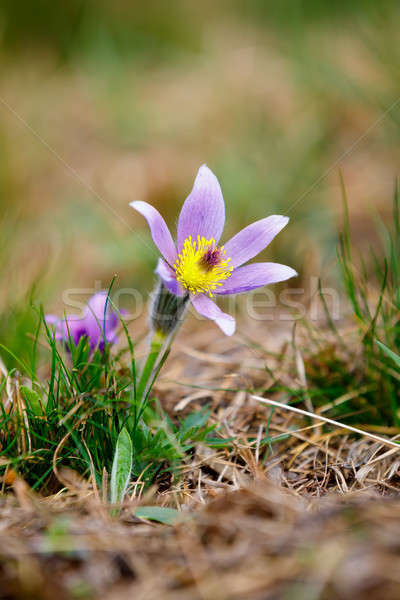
<point x="253" y="276"/>
<point x="167" y="275"/>
<point x="203" y="212"/>
<point x="100" y="320"/>
<point x="55" y="326"/>
<point x="159" y="230"/>
<point x="74" y="328"/>
<point x="206" y="307"/>
<point x="252" y="239"/>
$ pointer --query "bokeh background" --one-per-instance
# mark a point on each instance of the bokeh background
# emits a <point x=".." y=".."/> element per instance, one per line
<point x="103" y="103"/>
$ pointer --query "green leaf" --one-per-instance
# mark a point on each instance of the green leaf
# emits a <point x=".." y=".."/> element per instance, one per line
<point x="195" y="420"/>
<point x="33" y="400"/>
<point x="167" y="516"/>
<point x="395" y="357"/>
<point x="122" y="466"/>
<point x="218" y="442"/>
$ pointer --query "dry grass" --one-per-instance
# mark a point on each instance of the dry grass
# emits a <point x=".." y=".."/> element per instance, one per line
<point x="256" y="542"/>
<point x="316" y="518"/>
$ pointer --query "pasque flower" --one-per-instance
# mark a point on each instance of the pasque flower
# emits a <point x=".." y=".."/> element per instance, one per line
<point x="98" y="324"/>
<point x="197" y="265"/>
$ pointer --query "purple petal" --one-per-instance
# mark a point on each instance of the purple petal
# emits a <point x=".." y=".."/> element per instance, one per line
<point x="75" y="328"/>
<point x="55" y="325"/>
<point x="168" y="277"/>
<point x="206" y="307"/>
<point x="159" y="230"/>
<point x="252" y="239"/>
<point x="99" y="319"/>
<point x="253" y="276"/>
<point x="203" y="212"/>
<point x="99" y="305"/>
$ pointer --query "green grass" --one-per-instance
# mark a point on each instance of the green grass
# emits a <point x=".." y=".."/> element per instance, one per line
<point x="355" y="358"/>
<point x="73" y="418"/>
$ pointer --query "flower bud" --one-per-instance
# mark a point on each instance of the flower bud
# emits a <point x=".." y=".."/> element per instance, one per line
<point x="167" y="310"/>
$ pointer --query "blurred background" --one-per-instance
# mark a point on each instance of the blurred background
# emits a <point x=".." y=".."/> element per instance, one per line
<point x="103" y="103"/>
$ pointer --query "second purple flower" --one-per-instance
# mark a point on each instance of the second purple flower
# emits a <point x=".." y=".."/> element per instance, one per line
<point x="98" y="324"/>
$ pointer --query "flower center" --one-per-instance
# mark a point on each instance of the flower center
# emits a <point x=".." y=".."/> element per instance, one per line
<point x="202" y="266"/>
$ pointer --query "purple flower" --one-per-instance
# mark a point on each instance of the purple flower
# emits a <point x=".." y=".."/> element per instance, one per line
<point x="98" y="323"/>
<point x="198" y="265"/>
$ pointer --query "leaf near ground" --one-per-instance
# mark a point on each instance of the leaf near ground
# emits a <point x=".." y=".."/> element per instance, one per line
<point x="167" y="516"/>
<point x="122" y="467"/>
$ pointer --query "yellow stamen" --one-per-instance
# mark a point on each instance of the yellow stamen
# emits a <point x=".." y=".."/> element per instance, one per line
<point x="198" y="273"/>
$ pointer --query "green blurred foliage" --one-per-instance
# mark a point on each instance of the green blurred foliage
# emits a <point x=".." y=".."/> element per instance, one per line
<point x="154" y="27"/>
<point x="105" y="103"/>
<point x="143" y="28"/>
<point x="296" y="12"/>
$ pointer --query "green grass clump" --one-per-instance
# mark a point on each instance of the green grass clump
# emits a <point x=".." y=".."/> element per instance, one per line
<point x="355" y="370"/>
<point x="74" y="418"/>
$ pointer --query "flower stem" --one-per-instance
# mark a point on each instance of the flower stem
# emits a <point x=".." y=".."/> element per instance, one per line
<point x="166" y="315"/>
<point x="157" y="344"/>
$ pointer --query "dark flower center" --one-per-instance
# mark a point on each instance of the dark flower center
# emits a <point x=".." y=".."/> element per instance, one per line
<point x="211" y="258"/>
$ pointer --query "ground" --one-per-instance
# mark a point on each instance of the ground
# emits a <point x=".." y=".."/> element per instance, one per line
<point x="315" y="517"/>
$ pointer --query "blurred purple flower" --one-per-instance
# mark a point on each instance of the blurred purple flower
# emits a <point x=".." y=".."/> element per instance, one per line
<point x="197" y="265"/>
<point x="98" y="324"/>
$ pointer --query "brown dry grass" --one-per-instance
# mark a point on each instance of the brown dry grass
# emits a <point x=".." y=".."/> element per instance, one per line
<point x="317" y="518"/>
<point x="260" y="541"/>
